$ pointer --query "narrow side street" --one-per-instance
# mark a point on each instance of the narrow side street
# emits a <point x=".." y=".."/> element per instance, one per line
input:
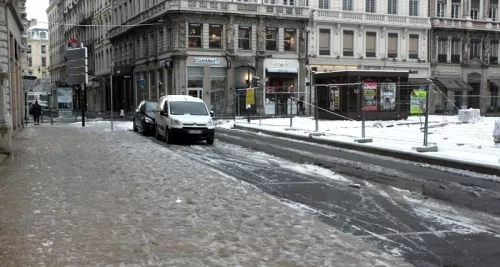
<point x="72" y="196"/>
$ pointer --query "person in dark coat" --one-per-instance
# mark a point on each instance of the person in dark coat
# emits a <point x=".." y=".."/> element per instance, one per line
<point x="300" y="106"/>
<point x="36" y="110"/>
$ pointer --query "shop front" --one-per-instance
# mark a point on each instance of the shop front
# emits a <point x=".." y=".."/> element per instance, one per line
<point x="206" y="77"/>
<point x="281" y="92"/>
<point x="492" y="93"/>
<point x="451" y="89"/>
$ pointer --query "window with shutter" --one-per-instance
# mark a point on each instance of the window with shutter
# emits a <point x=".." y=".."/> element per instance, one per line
<point x="348" y="42"/>
<point x="371" y="44"/>
<point x="413" y="47"/>
<point x="392" y="45"/>
<point x="324" y="42"/>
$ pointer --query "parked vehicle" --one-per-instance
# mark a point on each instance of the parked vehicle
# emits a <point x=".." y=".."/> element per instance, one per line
<point x="43" y="104"/>
<point x="183" y="117"/>
<point x="144" y="117"/>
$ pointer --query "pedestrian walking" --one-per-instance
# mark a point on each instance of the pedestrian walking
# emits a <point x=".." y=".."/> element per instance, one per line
<point x="36" y="110"/>
<point x="300" y="106"/>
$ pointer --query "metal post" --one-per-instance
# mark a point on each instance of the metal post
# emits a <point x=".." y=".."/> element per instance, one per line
<point x="83" y="102"/>
<point x="50" y="110"/>
<point x="111" y="98"/>
<point x="291" y="108"/>
<point x="234" y="105"/>
<point x="426" y="127"/>
<point x="363" y="112"/>
<point x="316" y="106"/>
<point x="261" y="102"/>
<point x="310" y="91"/>
<point x="247" y="105"/>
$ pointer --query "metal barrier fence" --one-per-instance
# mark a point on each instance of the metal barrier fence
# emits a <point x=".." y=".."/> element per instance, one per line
<point x="460" y="133"/>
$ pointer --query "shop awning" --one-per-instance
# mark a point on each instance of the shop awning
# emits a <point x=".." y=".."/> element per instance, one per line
<point x="282" y="70"/>
<point x="496" y="83"/>
<point x="454" y="84"/>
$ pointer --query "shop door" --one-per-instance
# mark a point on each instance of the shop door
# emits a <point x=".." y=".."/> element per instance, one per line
<point x="196" y="92"/>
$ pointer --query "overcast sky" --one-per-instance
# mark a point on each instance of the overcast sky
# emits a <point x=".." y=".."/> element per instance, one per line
<point x="37" y="10"/>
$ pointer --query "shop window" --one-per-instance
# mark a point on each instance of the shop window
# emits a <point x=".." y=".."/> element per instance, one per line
<point x="290" y="41"/>
<point x="218" y="79"/>
<point x="392" y="45"/>
<point x="152" y="85"/>
<point x="244" y="37"/>
<point x="272" y="39"/>
<point x="413" y="46"/>
<point x="371" y="44"/>
<point x="195" y="35"/>
<point x="215" y="36"/>
<point x="324" y="42"/>
<point x="195" y="77"/>
<point x="348" y="43"/>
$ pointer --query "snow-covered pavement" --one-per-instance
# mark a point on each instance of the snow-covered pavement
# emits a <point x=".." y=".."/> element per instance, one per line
<point x="472" y="142"/>
<point x="74" y="196"/>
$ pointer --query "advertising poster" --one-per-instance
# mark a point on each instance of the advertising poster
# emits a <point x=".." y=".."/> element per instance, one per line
<point x="370" y="96"/>
<point x="334" y="98"/>
<point x="388" y="96"/>
<point x="65" y="98"/>
<point x="417" y="102"/>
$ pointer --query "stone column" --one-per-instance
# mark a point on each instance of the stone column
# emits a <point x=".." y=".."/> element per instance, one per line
<point x="486" y="9"/>
<point x="466" y="9"/>
<point x="5" y="127"/>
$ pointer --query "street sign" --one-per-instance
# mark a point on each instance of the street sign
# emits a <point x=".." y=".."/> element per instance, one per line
<point x="142" y="82"/>
<point x="250" y="97"/>
<point x="76" y="66"/>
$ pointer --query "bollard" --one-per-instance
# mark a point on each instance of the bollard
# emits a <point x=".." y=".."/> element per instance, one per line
<point x="496" y="132"/>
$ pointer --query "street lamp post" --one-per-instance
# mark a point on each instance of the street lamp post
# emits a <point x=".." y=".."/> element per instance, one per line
<point x="111" y="98"/>
<point x="307" y="30"/>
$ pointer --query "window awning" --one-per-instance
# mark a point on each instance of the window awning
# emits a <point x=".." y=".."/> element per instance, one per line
<point x="495" y="82"/>
<point x="283" y="70"/>
<point x="419" y="81"/>
<point x="454" y="84"/>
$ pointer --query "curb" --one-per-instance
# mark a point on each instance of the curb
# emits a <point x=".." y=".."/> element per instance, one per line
<point x="420" y="158"/>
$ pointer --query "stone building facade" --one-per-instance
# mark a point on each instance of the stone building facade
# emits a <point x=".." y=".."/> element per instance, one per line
<point x="12" y="111"/>
<point x="464" y="44"/>
<point x="206" y="49"/>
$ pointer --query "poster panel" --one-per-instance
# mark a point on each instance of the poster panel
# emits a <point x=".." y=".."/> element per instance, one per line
<point x="370" y="96"/>
<point x="388" y="96"/>
<point x="417" y="102"/>
<point x="334" y="99"/>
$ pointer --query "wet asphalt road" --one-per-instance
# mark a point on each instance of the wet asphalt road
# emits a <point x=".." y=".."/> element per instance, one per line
<point x="424" y="231"/>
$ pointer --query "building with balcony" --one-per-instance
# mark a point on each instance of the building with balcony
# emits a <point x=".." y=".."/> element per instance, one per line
<point x="464" y="43"/>
<point x="371" y="35"/>
<point x="12" y="28"/>
<point x="57" y="42"/>
<point x="206" y="49"/>
<point x="38" y="53"/>
<point x="99" y="91"/>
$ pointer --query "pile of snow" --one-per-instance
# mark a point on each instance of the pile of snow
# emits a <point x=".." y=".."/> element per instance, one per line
<point x="469" y="115"/>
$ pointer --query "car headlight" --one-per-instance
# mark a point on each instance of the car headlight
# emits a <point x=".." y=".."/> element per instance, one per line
<point x="148" y="119"/>
<point x="210" y="122"/>
<point x="176" y="122"/>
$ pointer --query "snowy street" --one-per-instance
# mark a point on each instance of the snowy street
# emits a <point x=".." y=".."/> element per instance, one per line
<point x="137" y="201"/>
<point x="73" y="196"/>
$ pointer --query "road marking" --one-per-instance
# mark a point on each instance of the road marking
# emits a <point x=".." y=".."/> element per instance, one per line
<point x="415" y="233"/>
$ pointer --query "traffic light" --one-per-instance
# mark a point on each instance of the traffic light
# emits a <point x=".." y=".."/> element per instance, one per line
<point x="255" y="81"/>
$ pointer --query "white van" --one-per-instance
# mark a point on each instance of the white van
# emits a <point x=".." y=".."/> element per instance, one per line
<point x="183" y="117"/>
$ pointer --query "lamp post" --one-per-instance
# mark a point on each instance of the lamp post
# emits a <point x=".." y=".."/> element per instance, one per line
<point x="307" y="30"/>
<point x="111" y="95"/>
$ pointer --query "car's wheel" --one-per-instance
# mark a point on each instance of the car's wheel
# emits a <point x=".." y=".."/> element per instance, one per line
<point x="134" y="127"/>
<point x="210" y="141"/>
<point x="168" y="136"/>
<point x="156" y="132"/>
<point x="143" y="129"/>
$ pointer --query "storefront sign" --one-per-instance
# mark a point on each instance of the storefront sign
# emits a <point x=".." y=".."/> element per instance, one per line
<point x="370" y="96"/>
<point x="281" y="62"/>
<point x="211" y="61"/>
<point x="334" y="98"/>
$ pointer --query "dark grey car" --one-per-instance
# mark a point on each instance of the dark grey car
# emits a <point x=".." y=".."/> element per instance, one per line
<point x="144" y="117"/>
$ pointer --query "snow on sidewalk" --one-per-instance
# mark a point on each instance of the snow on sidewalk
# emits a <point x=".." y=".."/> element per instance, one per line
<point x="79" y="196"/>
<point x="472" y="142"/>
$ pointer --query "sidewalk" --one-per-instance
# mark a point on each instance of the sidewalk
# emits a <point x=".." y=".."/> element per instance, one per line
<point x="73" y="196"/>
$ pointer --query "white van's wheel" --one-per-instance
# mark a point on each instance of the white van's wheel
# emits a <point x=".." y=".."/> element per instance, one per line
<point x="168" y="136"/>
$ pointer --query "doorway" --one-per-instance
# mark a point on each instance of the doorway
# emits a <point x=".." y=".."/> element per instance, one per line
<point x="196" y="92"/>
